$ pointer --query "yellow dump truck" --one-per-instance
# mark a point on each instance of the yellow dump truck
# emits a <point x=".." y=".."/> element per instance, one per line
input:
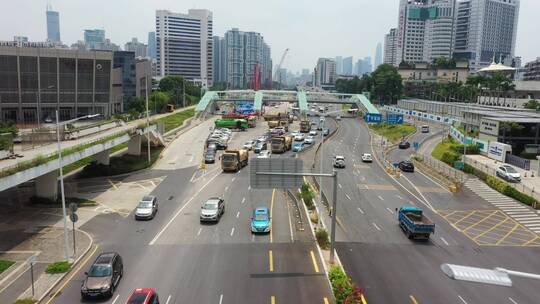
<point x="281" y="144"/>
<point x="234" y="160"/>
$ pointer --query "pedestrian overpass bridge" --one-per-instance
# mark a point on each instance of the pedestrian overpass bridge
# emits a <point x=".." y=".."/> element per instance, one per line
<point x="211" y="98"/>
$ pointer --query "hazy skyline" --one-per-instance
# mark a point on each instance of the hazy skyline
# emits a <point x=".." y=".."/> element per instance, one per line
<point x="310" y="29"/>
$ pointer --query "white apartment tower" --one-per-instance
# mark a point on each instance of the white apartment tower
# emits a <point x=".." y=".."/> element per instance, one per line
<point x="325" y="72"/>
<point x="425" y="30"/>
<point x="390" y="51"/>
<point x="184" y="45"/>
<point x="485" y="29"/>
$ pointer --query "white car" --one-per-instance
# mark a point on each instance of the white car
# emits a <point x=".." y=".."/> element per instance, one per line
<point x="339" y="161"/>
<point x="313" y="133"/>
<point x="249" y="145"/>
<point x="338" y="118"/>
<point x="508" y="173"/>
<point x="299" y="137"/>
<point x="264" y="154"/>
<point x="309" y="140"/>
<point x="366" y="157"/>
<point x="295" y="133"/>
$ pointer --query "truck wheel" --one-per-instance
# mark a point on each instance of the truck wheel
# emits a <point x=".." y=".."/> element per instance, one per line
<point x="410" y="235"/>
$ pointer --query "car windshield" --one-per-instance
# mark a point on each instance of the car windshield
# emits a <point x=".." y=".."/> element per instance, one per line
<point x="210" y="205"/>
<point x="261" y="217"/>
<point x="145" y="204"/>
<point x="100" y="271"/>
<point x="229" y="157"/>
<point x="137" y="298"/>
<point x="510" y="169"/>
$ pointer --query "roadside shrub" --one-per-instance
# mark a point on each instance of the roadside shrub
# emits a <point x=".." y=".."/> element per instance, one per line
<point x="307" y="195"/>
<point x="58" y="267"/>
<point x="5" y="264"/>
<point x="322" y="238"/>
<point x="449" y="158"/>
<point x="528" y="155"/>
<point x="344" y="290"/>
<point x="471" y="149"/>
<point x="25" y="301"/>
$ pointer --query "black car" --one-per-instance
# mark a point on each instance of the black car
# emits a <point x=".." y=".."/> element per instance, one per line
<point x="103" y="276"/>
<point x="406" y="166"/>
<point x="404" y="145"/>
<point x="220" y="145"/>
<point x="210" y="157"/>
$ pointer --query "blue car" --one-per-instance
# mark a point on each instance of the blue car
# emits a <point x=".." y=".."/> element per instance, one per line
<point x="260" y="221"/>
<point x="298" y="146"/>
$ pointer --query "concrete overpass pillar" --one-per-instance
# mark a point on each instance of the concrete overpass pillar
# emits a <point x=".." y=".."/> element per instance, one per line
<point x="47" y="185"/>
<point x="102" y="158"/>
<point x="134" y="145"/>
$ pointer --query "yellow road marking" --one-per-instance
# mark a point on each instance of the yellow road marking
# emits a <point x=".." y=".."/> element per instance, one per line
<point x="314" y="262"/>
<point x="271" y="260"/>
<point x="113" y="184"/>
<point x="516" y="226"/>
<point x="480" y="221"/>
<point x="271" y="216"/>
<point x="272" y="300"/>
<point x="363" y="299"/>
<point x="325" y="300"/>
<point x="413" y="299"/>
<point x="465" y="217"/>
<point x="536" y="238"/>
<point x="72" y="275"/>
<point x="489" y="230"/>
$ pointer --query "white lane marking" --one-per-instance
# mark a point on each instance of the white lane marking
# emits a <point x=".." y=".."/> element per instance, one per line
<point x="243" y="200"/>
<point x="232" y="231"/>
<point x="232" y="180"/>
<point x="444" y="241"/>
<point x="462" y="300"/>
<point x="376" y="227"/>
<point x="220" y="298"/>
<point x="399" y="196"/>
<point x="290" y="223"/>
<point x="512" y="300"/>
<point x="168" y="299"/>
<point x="238" y="214"/>
<point x="199" y="232"/>
<point x="361" y="211"/>
<point x="153" y="241"/>
<point x="380" y="197"/>
<point x="226" y="188"/>
<point x="339" y="185"/>
<point x="348" y="197"/>
<point x="115" y="299"/>
<point x="390" y="210"/>
<point x="249" y="187"/>
<point x="253" y="237"/>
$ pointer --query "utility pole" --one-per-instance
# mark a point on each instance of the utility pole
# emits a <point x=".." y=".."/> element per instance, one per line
<point x="147" y="122"/>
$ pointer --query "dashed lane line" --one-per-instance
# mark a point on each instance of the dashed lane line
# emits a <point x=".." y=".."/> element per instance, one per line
<point x="377" y="227"/>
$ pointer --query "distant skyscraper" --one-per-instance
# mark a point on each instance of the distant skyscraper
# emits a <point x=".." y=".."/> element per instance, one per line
<point x="152" y="45"/>
<point x="390" y="47"/>
<point x="219" y="59"/>
<point x="140" y="49"/>
<point x="347" y="67"/>
<point x="94" y="39"/>
<point x="378" y="56"/>
<point x="243" y="52"/>
<point x="184" y="44"/>
<point x="325" y="72"/>
<point x="339" y="65"/>
<point x="425" y="30"/>
<point x="53" y="25"/>
<point x="363" y="66"/>
<point x="485" y="29"/>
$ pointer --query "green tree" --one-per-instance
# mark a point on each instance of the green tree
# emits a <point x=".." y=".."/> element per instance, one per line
<point x="532" y="104"/>
<point x="158" y="101"/>
<point x="219" y="86"/>
<point x="387" y="83"/>
<point x="136" y="104"/>
<point x="174" y="87"/>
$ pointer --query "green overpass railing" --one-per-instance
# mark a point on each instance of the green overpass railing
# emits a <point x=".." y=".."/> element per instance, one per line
<point x="365" y="103"/>
<point x="257" y="101"/>
<point x="302" y="101"/>
<point x="206" y="100"/>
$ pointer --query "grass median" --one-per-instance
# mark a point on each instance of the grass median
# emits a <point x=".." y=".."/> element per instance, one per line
<point x="176" y="120"/>
<point x="5" y="264"/>
<point x="393" y="133"/>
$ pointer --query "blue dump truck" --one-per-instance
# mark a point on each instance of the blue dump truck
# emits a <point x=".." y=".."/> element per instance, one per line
<point x="413" y="222"/>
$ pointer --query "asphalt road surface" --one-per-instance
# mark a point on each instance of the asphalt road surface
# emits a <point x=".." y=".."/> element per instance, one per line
<point x="393" y="269"/>
<point x="190" y="262"/>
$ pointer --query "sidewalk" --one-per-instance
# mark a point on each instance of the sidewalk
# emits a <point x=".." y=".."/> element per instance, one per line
<point x="52" y="147"/>
<point x="33" y="232"/>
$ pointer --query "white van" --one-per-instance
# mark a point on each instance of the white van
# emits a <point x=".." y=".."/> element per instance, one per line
<point x="424" y="129"/>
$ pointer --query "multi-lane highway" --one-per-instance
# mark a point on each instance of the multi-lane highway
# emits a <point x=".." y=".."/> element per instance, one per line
<point x="190" y="262"/>
<point x="393" y="269"/>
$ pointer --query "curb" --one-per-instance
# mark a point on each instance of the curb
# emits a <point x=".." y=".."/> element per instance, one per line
<point x="55" y="284"/>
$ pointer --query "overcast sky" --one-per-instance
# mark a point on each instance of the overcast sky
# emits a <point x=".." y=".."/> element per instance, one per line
<point x="310" y="28"/>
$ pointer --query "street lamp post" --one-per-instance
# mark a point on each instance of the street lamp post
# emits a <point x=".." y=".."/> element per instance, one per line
<point x="60" y="165"/>
<point x="147" y="123"/>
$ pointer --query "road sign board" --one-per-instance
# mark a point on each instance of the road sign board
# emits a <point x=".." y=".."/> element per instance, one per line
<point x="394" y="119"/>
<point x="73" y="217"/>
<point x="459" y="165"/>
<point x="32" y="259"/>
<point x="373" y="118"/>
<point x="416" y="145"/>
<point x="73" y="207"/>
<point x="275" y="165"/>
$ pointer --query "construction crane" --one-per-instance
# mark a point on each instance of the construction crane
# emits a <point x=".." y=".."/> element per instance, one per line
<point x="278" y="70"/>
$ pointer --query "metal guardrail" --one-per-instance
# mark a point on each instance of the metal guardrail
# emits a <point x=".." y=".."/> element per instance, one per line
<point x="297" y="213"/>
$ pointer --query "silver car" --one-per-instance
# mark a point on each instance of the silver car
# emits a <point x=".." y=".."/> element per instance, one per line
<point x="212" y="210"/>
<point x="147" y="208"/>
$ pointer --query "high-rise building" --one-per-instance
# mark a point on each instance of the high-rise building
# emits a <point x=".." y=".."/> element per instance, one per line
<point x="325" y="72"/>
<point x="347" y="66"/>
<point x="94" y="39"/>
<point x="363" y="66"/>
<point x="140" y="49"/>
<point x="485" y="29"/>
<point x="378" y="55"/>
<point x="244" y="53"/>
<point x="184" y="45"/>
<point x="339" y="65"/>
<point x="152" y="45"/>
<point x="390" y="51"/>
<point x="219" y="59"/>
<point x="425" y="30"/>
<point x="532" y="70"/>
<point x="20" y="39"/>
<point x="53" y="25"/>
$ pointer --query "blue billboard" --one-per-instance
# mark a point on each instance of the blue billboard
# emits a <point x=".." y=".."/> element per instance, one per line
<point x="373" y="118"/>
<point x="394" y="119"/>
